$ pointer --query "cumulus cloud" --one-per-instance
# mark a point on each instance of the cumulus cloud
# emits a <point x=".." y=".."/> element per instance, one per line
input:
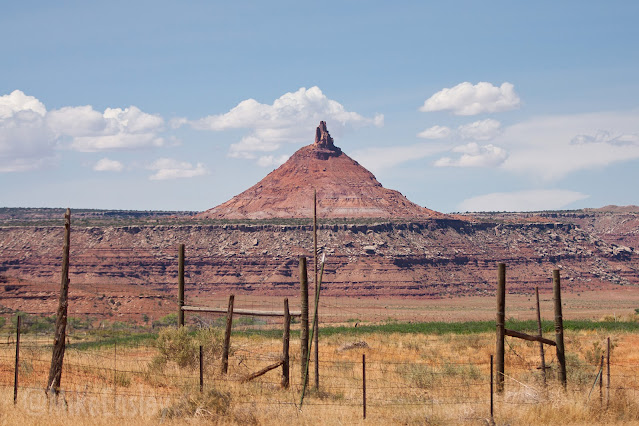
<point x="483" y="130"/>
<point x="555" y="146"/>
<point x="17" y="102"/>
<point x="107" y="165"/>
<point x="115" y="128"/>
<point x="469" y="99"/>
<point x="287" y="120"/>
<point x="26" y="143"/>
<point x="168" y="168"/>
<point x="435" y="132"/>
<point x="475" y="155"/>
<point x="272" y="160"/>
<point x="535" y="200"/>
<point x="30" y="135"/>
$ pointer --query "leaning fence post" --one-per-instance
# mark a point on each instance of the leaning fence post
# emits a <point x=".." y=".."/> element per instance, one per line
<point x="304" y="319"/>
<point x="364" y="384"/>
<point x="285" y="345"/>
<point x="559" y="327"/>
<point x="227" y="335"/>
<point x="317" y="289"/>
<point x="180" y="285"/>
<point x="59" y="341"/>
<point x="501" y="326"/>
<point x="15" y="378"/>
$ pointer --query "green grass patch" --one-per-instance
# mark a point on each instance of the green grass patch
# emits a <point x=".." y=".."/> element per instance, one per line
<point x="468" y="327"/>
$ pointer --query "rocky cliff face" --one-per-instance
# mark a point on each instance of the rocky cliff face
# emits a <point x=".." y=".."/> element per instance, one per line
<point x="344" y="189"/>
<point x="125" y="270"/>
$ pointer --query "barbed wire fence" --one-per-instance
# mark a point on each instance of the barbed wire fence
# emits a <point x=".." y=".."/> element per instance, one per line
<point x="115" y="376"/>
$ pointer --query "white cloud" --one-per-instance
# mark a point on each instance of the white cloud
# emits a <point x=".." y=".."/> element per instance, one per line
<point x="271" y="160"/>
<point x="17" y="102"/>
<point x="535" y="200"/>
<point x="116" y="128"/>
<point x="107" y="165"/>
<point x="290" y="119"/>
<point x="26" y="143"/>
<point x="30" y="135"/>
<point x="435" y="132"/>
<point x="555" y="146"/>
<point x="469" y="99"/>
<point x="168" y="168"/>
<point x="376" y="159"/>
<point x="483" y="130"/>
<point x="475" y="155"/>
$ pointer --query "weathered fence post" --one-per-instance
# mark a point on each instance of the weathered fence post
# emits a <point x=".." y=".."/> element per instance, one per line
<point x="15" y="378"/>
<point x="315" y="325"/>
<point x="364" y="384"/>
<point x="541" y="345"/>
<point x="285" y="345"/>
<point x="601" y="382"/>
<point x="227" y="335"/>
<point x="559" y="327"/>
<point x="492" y="418"/>
<point x="304" y="319"/>
<point x="180" y="285"/>
<point x="608" y="373"/>
<point x="59" y="341"/>
<point x="115" y="377"/>
<point x="201" y="370"/>
<point x="501" y="326"/>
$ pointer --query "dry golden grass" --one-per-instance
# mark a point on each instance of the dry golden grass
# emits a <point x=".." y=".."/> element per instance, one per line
<point x="411" y="379"/>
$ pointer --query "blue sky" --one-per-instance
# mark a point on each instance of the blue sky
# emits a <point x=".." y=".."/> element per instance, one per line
<point x="181" y="105"/>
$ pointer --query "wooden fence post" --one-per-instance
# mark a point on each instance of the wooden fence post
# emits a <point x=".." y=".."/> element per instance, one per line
<point x="601" y="382"/>
<point x="115" y="378"/>
<point x="304" y="319"/>
<point x="559" y="327"/>
<point x="501" y="326"/>
<point x="201" y="370"/>
<point x="59" y="341"/>
<point x="608" y="373"/>
<point x="541" y="345"/>
<point x="315" y="325"/>
<point x="364" y="384"/>
<point x="227" y="335"/>
<point x="15" y="378"/>
<point x="180" y="285"/>
<point x="285" y="346"/>
<point x="492" y="402"/>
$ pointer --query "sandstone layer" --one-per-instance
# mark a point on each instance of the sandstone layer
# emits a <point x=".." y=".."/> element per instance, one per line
<point x="124" y="271"/>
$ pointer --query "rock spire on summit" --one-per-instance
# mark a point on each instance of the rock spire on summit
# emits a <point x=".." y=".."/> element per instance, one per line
<point x="323" y="139"/>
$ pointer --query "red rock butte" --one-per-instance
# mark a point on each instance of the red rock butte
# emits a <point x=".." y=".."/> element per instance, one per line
<point x="345" y="189"/>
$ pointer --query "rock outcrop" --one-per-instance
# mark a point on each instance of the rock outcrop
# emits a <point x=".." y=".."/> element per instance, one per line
<point x="344" y="188"/>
